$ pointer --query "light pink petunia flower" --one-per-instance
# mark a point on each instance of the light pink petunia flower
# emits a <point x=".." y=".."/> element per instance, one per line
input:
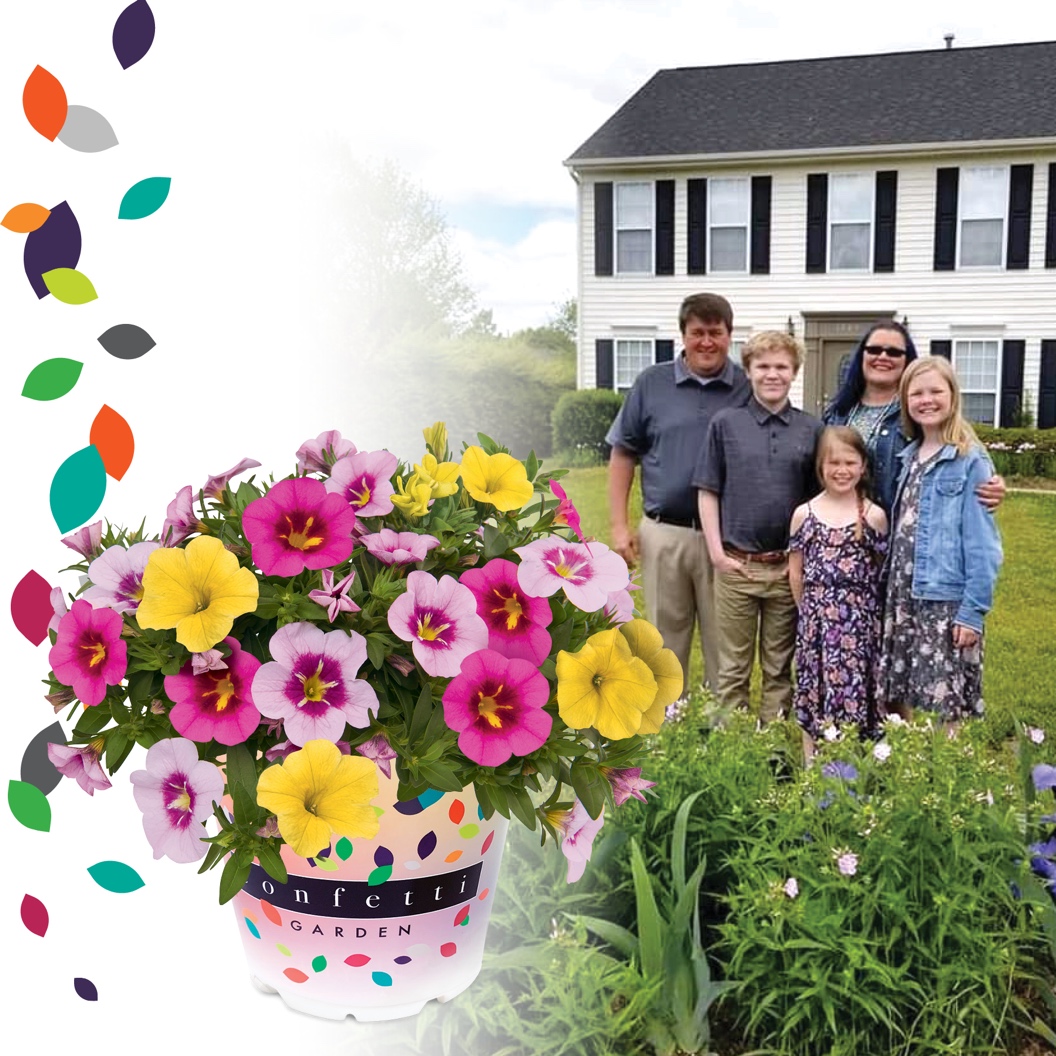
<point x="587" y="575"/>
<point x="180" y="520"/>
<point x="578" y="830"/>
<point x="847" y="863"/>
<point x="619" y="606"/>
<point x="82" y="764"/>
<point x="516" y="622"/>
<point x="89" y="653"/>
<point x="117" y="577"/>
<point x="495" y="704"/>
<point x="176" y="793"/>
<point x="334" y="596"/>
<point x="320" y="454"/>
<point x="440" y="621"/>
<point x="297" y="525"/>
<point x="363" y="480"/>
<point x="379" y="749"/>
<point x="214" y="487"/>
<point x="566" y="515"/>
<point x="311" y="683"/>
<point x="85" y="541"/>
<point x="627" y="782"/>
<point x="791" y="887"/>
<point x="210" y="660"/>
<point x="399" y="548"/>
<point x="58" y="608"/>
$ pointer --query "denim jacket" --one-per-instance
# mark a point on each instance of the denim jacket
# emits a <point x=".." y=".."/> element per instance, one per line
<point x="884" y="465"/>
<point x="958" y="549"/>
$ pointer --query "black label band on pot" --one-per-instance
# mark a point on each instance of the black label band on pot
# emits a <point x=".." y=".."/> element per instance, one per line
<point x="328" y="897"/>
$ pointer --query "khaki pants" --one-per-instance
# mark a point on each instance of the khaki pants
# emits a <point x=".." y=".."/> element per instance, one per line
<point x="756" y="599"/>
<point x="677" y="579"/>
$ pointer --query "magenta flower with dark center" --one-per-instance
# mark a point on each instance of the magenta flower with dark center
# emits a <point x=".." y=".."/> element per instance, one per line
<point x="82" y="764"/>
<point x="89" y="653"/>
<point x="117" y="577"/>
<point x="215" y="487"/>
<point x="587" y="575"/>
<point x="363" y="479"/>
<point x="297" y="525"/>
<point x="399" y="548"/>
<point x="516" y="622"/>
<point x="320" y="454"/>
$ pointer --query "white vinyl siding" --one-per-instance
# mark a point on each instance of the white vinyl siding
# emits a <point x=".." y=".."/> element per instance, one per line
<point x="982" y="202"/>
<point x="633" y="355"/>
<point x="977" y="363"/>
<point x="634" y="228"/>
<point x="851" y="221"/>
<point x="729" y="212"/>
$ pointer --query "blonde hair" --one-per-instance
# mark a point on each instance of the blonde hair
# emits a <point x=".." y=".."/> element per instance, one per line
<point x="844" y="434"/>
<point x="772" y="341"/>
<point x="955" y="430"/>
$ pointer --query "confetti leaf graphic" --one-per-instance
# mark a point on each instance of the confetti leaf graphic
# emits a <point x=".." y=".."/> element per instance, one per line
<point x="144" y="198"/>
<point x="86" y="989"/>
<point x="25" y="217"/>
<point x="55" y="244"/>
<point x="44" y="101"/>
<point x="35" y="915"/>
<point x="51" y="379"/>
<point x="37" y="769"/>
<point x="69" y="286"/>
<point x="87" y="130"/>
<point x="133" y="33"/>
<point x="111" y="436"/>
<point x="126" y="341"/>
<point x="29" y="805"/>
<point x="31" y="607"/>
<point x="116" y="877"/>
<point x="77" y="489"/>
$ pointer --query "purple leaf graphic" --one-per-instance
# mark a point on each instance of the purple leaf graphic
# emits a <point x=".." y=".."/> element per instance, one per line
<point x="55" y="244"/>
<point x="85" y="989"/>
<point x="133" y="33"/>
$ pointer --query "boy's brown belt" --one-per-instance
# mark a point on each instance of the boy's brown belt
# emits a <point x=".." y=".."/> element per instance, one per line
<point x="768" y="557"/>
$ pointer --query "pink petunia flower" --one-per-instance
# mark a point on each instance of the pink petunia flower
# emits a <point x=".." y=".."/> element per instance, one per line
<point x="318" y="455"/>
<point x="82" y="764"/>
<point x="619" y="606"/>
<point x="566" y="515"/>
<point x="210" y="660"/>
<point x="311" y="683"/>
<point x="587" y="575"/>
<point x="516" y="622"/>
<point x="363" y="480"/>
<point x="216" y="705"/>
<point x="399" y="548"/>
<point x="440" y="621"/>
<point x="214" y="487"/>
<point x="379" y="749"/>
<point x="334" y="597"/>
<point x="578" y="830"/>
<point x="58" y="608"/>
<point x="180" y="520"/>
<point x="495" y="704"/>
<point x="89" y="653"/>
<point x="117" y="577"/>
<point x="86" y="541"/>
<point x="627" y="782"/>
<point x="176" y="793"/>
<point x="297" y="525"/>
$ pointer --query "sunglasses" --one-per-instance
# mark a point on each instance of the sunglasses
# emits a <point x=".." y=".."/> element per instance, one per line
<point x="885" y="350"/>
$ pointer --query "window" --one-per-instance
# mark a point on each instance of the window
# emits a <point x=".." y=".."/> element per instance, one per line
<point x="634" y="227"/>
<point x="850" y="221"/>
<point x="632" y="357"/>
<point x="729" y="205"/>
<point x="977" y="365"/>
<point x="737" y="350"/>
<point x="983" y="200"/>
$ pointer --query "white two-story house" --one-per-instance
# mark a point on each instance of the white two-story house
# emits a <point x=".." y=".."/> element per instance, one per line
<point x="820" y="195"/>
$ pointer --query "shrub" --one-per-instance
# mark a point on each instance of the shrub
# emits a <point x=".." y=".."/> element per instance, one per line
<point x="1020" y="452"/>
<point x="580" y="421"/>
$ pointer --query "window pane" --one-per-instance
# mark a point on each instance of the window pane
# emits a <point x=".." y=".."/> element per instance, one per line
<point x="728" y="201"/>
<point x="979" y="407"/>
<point x="851" y="197"/>
<point x="634" y="205"/>
<point x="976" y="364"/>
<point x="850" y="247"/>
<point x="981" y="242"/>
<point x="729" y="249"/>
<point x="632" y="357"/>
<point x="983" y="193"/>
<point x="634" y="251"/>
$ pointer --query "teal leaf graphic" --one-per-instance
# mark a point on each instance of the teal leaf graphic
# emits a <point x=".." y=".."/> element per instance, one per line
<point x="29" y="805"/>
<point x="69" y="286"/>
<point x="144" y="198"/>
<point x="116" y="877"/>
<point x="77" y="489"/>
<point x="51" y="379"/>
<point x="344" y="848"/>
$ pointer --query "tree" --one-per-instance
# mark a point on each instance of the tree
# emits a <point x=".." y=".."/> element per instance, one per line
<point x="565" y="319"/>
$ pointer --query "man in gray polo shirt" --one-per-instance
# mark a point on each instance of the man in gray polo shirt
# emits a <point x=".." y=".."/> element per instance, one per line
<point x="662" y="426"/>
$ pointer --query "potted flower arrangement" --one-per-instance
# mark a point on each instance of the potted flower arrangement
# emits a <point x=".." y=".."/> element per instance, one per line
<point x="346" y="682"/>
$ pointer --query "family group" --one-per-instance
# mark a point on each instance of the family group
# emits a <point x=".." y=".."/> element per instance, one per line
<point x="862" y="546"/>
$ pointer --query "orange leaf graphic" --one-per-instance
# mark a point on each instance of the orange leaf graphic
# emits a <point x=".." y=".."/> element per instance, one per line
<point x="44" y="101"/>
<point x="25" y="217"/>
<point x="112" y="438"/>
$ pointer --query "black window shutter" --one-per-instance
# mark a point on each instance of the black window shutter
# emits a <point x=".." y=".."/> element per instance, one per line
<point x="942" y="348"/>
<point x="817" y="220"/>
<point x="1050" y="220"/>
<point x="1020" y="195"/>
<point x="696" y="227"/>
<point x="1012" y="356"/>
<point x="603" y="233"/>
<point x="604" y="363"/>
<point x="665" y="227"/>
<point x="1047" y="386"/>
<point x="760" y="240"/>
<point x="663" y="351"/>
<point x="884" y="228"/>
<point x="946" y="219"/>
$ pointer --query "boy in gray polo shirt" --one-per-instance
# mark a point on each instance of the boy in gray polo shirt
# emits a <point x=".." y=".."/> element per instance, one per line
<point x="756" y="467"/>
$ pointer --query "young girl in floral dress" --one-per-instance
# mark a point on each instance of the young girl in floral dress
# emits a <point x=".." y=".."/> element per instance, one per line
<point x="837" y="547"/>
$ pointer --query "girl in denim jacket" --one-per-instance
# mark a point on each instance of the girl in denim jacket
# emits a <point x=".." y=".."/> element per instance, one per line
<point x="944" y="556"/>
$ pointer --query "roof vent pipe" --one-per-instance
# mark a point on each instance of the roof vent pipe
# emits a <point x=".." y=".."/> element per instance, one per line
<point x="948" y="37"/>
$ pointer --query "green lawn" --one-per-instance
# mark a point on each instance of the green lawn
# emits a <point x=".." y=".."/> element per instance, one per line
<point x="1020" y="666"/>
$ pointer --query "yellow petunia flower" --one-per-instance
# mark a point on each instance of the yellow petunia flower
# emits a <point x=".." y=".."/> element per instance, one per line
<point x="604" y="685"/>
<point x="499" y="479"/>
<point x="647" y="644"/>
<point x="436" y="438"/>
<point x="442" y="477"/>
<point x="412" y="499"/>
<point x="198" y="589"/>
<point x="318" y="791"/>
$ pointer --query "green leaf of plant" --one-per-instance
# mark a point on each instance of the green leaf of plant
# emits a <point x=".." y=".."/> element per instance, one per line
<point x="521" y="805"/>
<point x="423" y="711"/>
<point x="617" y="937"/>
<point x="117" y="745"/>
<point x="650" y="923"/>
<point x="116" y="877"/>
<point x="271" y="862"/>
<point x="495" y="543"/>
<point x="51" y="379"/>
<point x="69" y="286"/>
<point x="29" y="805"/>
<point x="589" y="785"/>
<point x="242" y="783"/>
<point x="532" y="465"/>
<point x="91" y="721"/>
<point x="144" y="198"/>
<point x="234" y="876"/>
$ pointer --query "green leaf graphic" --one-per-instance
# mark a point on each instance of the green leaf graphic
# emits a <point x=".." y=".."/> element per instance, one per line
<point x="144" y="198"/>
<point x="29" y="805"/>
<point x="77" y="489"/>
<point x="326" y="864"/>
<point x="51" y="379"/>
<point x="116" y="877"/>
<point x="69" y="286"/>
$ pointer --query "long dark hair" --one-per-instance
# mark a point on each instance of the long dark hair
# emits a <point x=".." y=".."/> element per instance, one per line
<point x="854" y="380"/>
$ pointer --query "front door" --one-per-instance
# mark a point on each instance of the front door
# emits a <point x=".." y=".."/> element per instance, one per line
<point x="830" y="339"/>
<point x="835" y="359"/>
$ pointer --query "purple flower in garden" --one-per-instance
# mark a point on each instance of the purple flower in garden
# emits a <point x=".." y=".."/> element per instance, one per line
<point x="85" y="540"/>
<point x="1048" y="848"/>
<point x="881" y="751"/>
<point x="210" y="660"/>
<point x="379" y="749"/>
<point x="89" y="653"/>
<point x="311" y="683"/>
<point x="1034" y="735"/>
<point x="587" y="575"/>
<point x="180" y="520"/>
<point x="847" y="863"/>
<point x="844" y="771"/>
<point x="578" y="830"/>
<point x="399" y="548"/>
<point x="363" y="480"/>
<point x="176" y="793"/>
<point x="334" y="597"/>
<point x="215" y="487"/>
<point x="626" y="782"/>
<point x="318" y="455"/>
<point x="1044" y="777"/>
<point x="82" y="764"/>
<point x="117" y="577"/>
<point x="516" y="622"/>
